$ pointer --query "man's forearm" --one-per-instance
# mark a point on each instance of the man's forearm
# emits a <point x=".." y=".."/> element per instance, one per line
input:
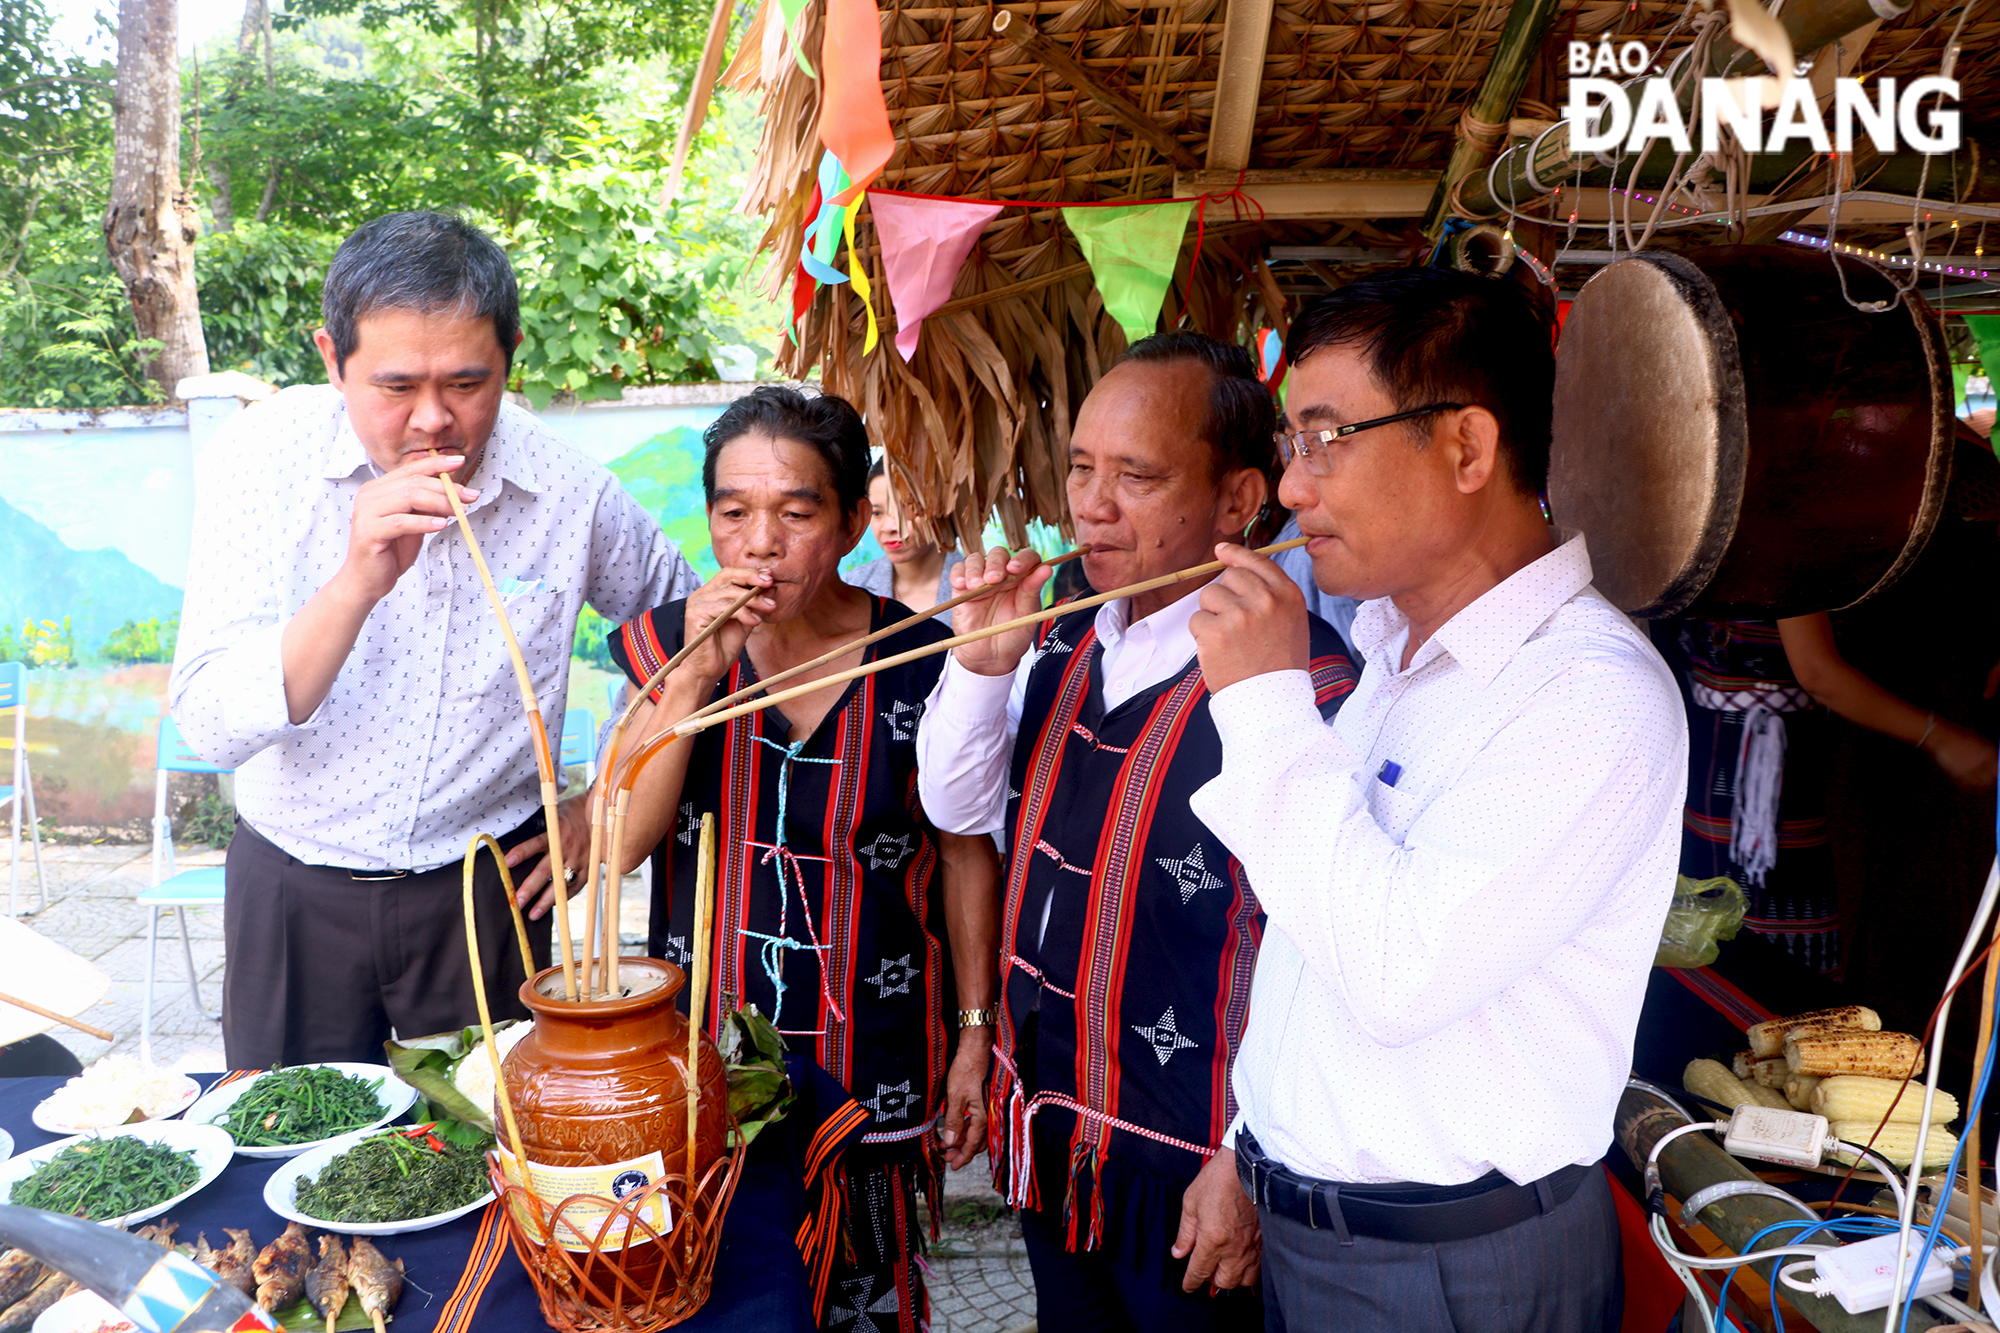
<point x="972" y="915"/>
<point x="316" y="643"/>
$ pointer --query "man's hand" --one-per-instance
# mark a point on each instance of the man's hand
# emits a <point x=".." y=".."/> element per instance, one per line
<point x="573" y="818"/>
<point x="962" y="1127"/>
<point x="392" y="516"/>
<point x="712" y="660"/>
<point x="999" y="655"/>
<point x="1252" y="620"/>
<point x="1219" y="1236"/>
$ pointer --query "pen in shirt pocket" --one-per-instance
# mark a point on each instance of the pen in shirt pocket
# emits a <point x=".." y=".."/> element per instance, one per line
<point x="1391" y="770"/>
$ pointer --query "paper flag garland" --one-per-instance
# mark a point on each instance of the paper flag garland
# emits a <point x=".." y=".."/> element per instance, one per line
<point x="853" y="117"/>
<point x="859" y="277"/>
<point x="1986" y="335"/>
<point x="822" y="236"/>
<point x="925" y="243"/>
<point x="792" y="9"/>
<point x="1270" y="351"/>
<point x="1132" y="251"/>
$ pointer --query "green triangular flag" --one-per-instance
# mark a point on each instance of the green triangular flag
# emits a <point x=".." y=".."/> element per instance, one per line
<point x="1986" y="333"/>
<point x="1960" y="372"/>
<point x="1132" y="252"/>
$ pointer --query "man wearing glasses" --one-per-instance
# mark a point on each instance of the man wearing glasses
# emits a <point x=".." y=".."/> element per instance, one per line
<point x="1466" y="870"/>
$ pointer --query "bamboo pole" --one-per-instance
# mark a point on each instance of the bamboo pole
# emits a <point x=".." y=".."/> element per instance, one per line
<point x="615" y="743"/>
<point x="479" y="994"/>
<point x="65" y="1019"/>
<point x="698" y="933"/>
<point x="1483" y="128"/>
<point x="544" y="761"/>
<point x="701" y="722"/>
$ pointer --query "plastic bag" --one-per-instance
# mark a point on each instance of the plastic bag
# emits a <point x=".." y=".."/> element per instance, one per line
<point x="1705" y="912"/>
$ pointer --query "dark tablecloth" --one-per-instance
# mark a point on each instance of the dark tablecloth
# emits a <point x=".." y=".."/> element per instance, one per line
<point x="468" y="1274"/>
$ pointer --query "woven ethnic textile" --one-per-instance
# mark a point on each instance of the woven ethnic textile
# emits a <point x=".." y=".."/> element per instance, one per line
<point x="831" y="922"/>
<point x="1734" y="663"/>
<point x="1139" y="983"/>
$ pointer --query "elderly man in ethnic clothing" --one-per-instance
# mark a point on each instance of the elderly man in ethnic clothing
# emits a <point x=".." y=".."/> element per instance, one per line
<point x="1129" y="931"/>
<point x="840" y="910"/>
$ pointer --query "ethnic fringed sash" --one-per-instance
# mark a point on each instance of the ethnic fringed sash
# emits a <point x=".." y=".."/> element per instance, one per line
<point x="819" y="1237"/>
<point x="1137" y="979"/>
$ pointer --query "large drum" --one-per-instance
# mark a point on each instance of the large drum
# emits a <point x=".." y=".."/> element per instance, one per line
<point x="1734" y="439"/>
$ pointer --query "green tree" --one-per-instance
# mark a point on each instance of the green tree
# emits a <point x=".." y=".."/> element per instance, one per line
<point x="143" y="641"/>
<point x="260" y="286"/>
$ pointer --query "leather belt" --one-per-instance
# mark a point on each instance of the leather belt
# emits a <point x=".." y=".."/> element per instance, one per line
<point x="1416" y="1214"/>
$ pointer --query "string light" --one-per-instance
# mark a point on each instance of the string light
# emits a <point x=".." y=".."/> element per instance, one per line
<point x="1893" y="261"/>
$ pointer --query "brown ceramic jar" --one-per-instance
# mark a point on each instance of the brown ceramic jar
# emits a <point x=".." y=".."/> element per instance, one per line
<point x="605" y="1081"/>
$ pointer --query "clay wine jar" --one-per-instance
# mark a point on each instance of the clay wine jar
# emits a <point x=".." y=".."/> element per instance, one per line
<point x="605" y="1080"/>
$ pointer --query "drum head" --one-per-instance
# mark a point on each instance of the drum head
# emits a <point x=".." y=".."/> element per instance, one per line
<point x="1649" y="444"/>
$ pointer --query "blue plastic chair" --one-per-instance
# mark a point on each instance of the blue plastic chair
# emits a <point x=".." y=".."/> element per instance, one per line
<point x="579" y="742"/>
<point x="178" y="889"/>
<point x="20" y="789"/>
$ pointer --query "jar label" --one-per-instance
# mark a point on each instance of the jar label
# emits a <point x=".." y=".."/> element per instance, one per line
<point x="594" y="1199"/>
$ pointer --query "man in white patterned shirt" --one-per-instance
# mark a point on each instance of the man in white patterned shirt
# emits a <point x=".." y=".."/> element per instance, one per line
<point x="338" y="651"/>
<point x="1466" y="870"/>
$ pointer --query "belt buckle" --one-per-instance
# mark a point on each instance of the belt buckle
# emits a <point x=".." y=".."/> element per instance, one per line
<point x="372" y="876"/>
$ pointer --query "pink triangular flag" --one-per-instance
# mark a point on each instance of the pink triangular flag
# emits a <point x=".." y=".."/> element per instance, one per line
<point x="924" y="244"/>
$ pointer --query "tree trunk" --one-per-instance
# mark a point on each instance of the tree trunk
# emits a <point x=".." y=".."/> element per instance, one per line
<point x="150" y="227"/>
<point x="221" y="206"/>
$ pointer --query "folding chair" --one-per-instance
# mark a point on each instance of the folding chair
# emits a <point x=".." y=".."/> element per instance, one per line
<point x="14" y="695"/>
<point x="579" y="742"/>
<point x="180" y="890"/>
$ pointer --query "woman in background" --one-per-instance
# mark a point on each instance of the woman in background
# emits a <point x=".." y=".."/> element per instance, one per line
<point x="912" y="572"/>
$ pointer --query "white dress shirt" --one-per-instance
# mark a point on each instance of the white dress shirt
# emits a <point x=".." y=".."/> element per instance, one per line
<point x="965" y="741"/>
<point x="422" y="739"/>
<point x="1465" y="873"/>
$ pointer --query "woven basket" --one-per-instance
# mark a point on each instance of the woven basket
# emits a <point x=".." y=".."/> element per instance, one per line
<point x="655" y="1281"/>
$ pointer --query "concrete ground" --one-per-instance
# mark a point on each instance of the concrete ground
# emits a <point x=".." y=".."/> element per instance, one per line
<point x="979" y="1279"/>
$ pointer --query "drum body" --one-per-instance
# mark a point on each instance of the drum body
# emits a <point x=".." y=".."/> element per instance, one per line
<point x="1735" y="440"/>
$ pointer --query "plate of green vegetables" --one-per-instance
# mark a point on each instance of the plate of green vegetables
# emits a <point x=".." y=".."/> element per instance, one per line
<point x="119" y="1176"/>
<point x="284" y="1112"/>
<point x="383" y="1183"/>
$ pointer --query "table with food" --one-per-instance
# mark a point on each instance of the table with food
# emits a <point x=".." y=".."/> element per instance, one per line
<point x="338" y="1195"/>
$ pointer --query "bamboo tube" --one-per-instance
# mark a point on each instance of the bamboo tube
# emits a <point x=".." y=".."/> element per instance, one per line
<point x="697" y="723"/>
<point x="613" y="745"/>
<point x="479" y="994"/>
<point x="698" y="933"/>
<point x="507" y="881"/>
<point x="1972" y="1197"/>
<point x="544" y="761"/>
<point x="65" y="1019"/>
<point x="887" y="631"/>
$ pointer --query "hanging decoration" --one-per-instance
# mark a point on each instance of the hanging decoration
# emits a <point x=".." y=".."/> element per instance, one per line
<point x="1132" y="252"/>
<point x="822" y="236"/>
<point x="1986" y="334"/>
<point x="925" y="243"/>
<point x="859" y="277"/>
<point x="1270" y="350"/>
<point x="793" y="10"/>
<point x="853" y="117"/>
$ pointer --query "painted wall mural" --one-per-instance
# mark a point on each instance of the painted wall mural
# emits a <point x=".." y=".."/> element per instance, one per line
<point x="95" y="529"/>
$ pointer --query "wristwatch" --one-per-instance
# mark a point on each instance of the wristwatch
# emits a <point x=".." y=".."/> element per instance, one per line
<point x="979" y="1018"/>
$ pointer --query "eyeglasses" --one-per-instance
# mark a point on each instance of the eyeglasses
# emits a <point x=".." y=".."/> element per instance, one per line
<point x="1308" y="445"/>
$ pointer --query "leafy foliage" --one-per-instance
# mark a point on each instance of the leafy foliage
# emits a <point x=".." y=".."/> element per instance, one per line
<point x="260" y="299"/>
<point x="41" y="643"/>
<point x="593" y="639"/>
<point x="143" y="640"/>
<point x="211" y="820"/>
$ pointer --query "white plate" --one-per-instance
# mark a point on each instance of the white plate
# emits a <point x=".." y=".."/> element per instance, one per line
<point x="395" y="1095"/>
<point x="212" y="1150"/>
<point x="6" y="1145"/>
<point x="82" y="1312"/>
<point x="44" y="1121"/>
<point x="285" y="1181"/>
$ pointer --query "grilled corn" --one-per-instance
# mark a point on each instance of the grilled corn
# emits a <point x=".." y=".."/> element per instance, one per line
<point x="1771" y="1073"/>
<point x="1713" y="1082"/>
<point x="1893" y="1055"/>
<point x="1856" y="1097"/>
<point x="1768" y="1039"/>
<point x="1896" y="1142"/>
<point x="1799" y="1090"/>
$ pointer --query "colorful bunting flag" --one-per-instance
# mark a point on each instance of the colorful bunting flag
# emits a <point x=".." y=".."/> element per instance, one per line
<point x="853" y="117"/>
<point x="1132" y="252"/>
<point x="925" y="243"/>
<point x="859" y="277"/>
<point x="822" y="235"/>
<point x="1986" y="334"/>
<point x="792" y="9"/>
<point x="1270" y="351"/>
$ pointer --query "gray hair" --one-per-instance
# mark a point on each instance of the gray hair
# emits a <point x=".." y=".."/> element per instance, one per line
<point x="426" y="262"/>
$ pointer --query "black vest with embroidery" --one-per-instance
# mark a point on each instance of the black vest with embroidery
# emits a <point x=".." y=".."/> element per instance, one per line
<point x="1139" y="983"/>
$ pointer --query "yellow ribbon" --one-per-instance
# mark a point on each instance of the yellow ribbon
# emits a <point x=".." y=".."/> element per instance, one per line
<point x="857" y="277"/>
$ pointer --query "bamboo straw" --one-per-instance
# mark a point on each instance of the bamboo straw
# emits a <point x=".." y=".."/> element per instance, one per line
<point x="614" y="743"/>
<point x="479" y="994"/>
<point x="704" y="909"/>
<point x="51" y="1014"/>
<point x="691" y="725"/>
<point x="887" y="631"/>
<point x="544" y="762"/>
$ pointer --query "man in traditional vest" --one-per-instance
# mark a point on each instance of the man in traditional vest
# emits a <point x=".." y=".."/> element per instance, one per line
<point x="1128" y="934"/>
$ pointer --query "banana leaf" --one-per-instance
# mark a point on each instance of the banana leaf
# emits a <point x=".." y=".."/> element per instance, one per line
<point x="428" y="1065"/>
<point x="753" y="1054"/>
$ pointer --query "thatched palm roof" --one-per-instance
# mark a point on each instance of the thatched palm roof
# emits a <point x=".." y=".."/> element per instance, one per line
<point x="1358" y="110"/>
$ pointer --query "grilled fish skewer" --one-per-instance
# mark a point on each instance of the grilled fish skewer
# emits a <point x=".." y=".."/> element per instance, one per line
<point x="377" y="1282"/>
<point x="327" y="1284"/>
<point x="281" y="1269"/>
<point x="19" y="1272"/>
